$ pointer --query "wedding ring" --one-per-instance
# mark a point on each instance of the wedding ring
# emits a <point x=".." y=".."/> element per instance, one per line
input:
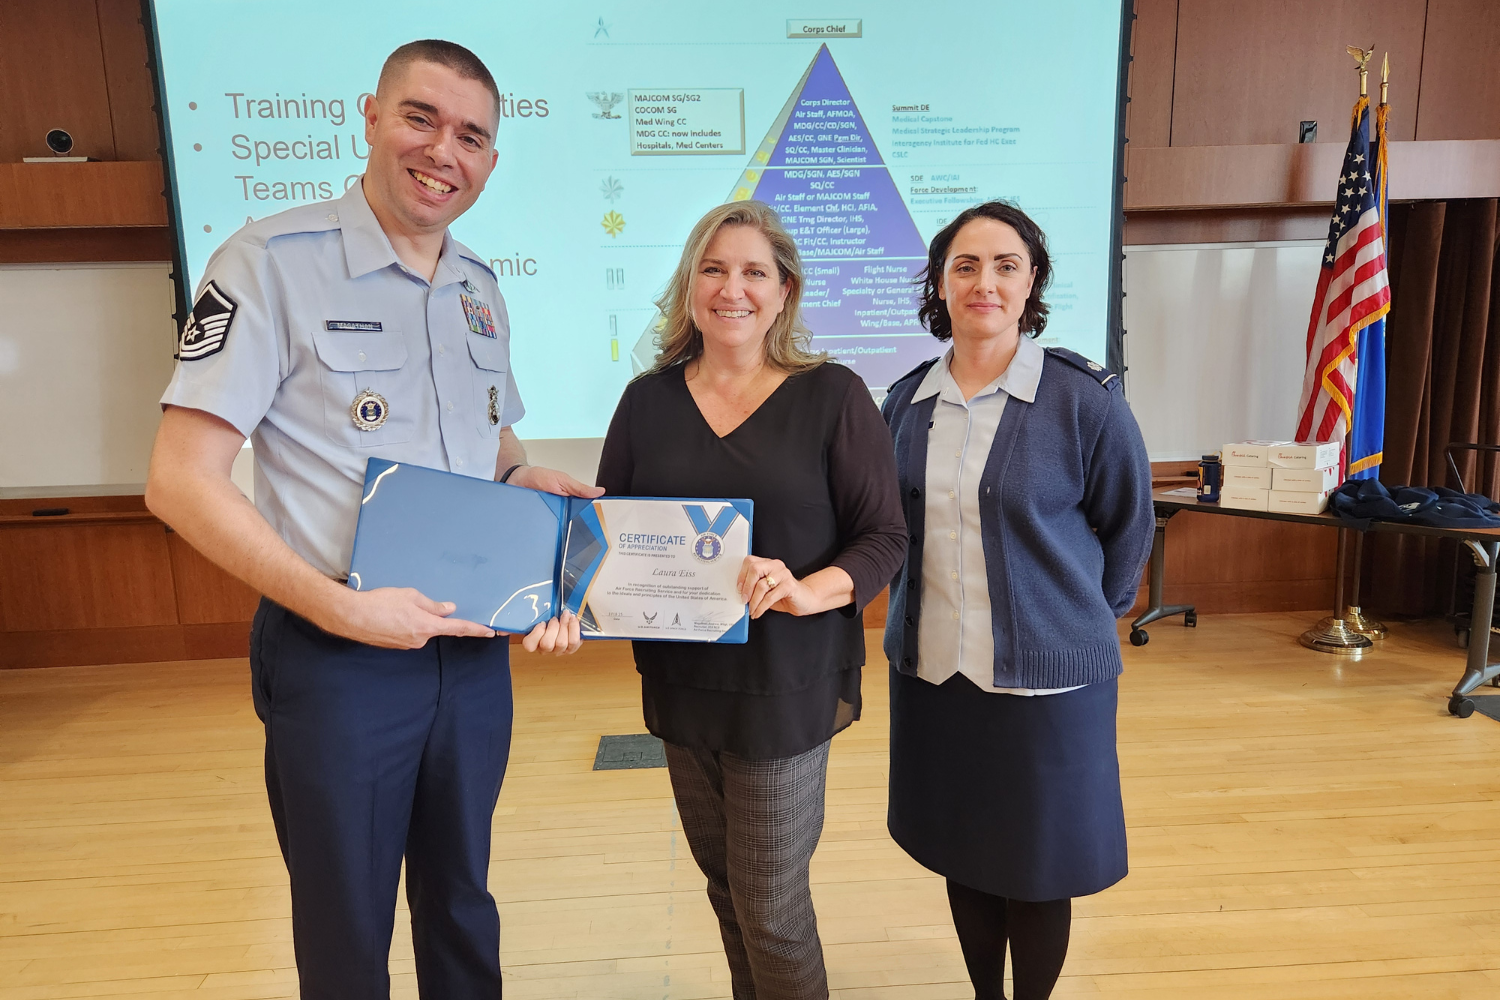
<point x="771" y="582"/>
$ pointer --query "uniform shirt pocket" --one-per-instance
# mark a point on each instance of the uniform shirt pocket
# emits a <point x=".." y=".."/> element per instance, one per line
<point x="491" y="362"/>
<point x="357" y="363"/>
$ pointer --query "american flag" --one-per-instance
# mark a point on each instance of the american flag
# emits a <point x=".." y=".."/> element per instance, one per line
<point x="1353" y="292"/>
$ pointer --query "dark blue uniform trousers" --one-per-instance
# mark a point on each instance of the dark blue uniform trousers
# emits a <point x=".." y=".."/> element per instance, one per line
<point x="373" y="755"/>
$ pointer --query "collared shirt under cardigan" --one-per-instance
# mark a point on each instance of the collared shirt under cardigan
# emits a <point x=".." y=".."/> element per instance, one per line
<point x="1066" y="520"/>
<point x="954" y="628"/>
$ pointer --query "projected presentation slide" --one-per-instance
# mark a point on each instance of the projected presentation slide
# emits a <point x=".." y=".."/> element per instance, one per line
<point x="620" y="125"/>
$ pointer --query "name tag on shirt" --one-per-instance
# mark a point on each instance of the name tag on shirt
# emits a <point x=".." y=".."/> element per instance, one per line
<point x="352" y="325"/>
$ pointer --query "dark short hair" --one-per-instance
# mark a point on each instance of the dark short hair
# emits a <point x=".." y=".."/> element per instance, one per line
<point x="450" y="54"/>
<point x="933" y="312"/>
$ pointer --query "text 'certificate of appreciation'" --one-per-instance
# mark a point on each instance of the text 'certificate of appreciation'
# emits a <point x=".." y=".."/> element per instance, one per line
<point x="642" y="568"/>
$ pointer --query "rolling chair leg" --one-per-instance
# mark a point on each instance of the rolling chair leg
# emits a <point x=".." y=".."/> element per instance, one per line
<point x="1157" y="610"/>
<point x="1478" y="668"/>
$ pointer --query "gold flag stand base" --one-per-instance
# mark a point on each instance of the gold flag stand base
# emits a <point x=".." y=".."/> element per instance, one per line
<point x="1344" y="633"/>
<point x="1353" y="617"/>
<point x="1366" y="626"/>
<point x="1333" y="635"/>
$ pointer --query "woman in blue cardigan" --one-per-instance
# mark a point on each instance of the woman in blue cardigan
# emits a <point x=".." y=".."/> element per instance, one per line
<point x="1027" y="495"/>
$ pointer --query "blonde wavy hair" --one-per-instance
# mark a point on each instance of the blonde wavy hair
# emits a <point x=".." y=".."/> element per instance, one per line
<point x="678" y="338"/>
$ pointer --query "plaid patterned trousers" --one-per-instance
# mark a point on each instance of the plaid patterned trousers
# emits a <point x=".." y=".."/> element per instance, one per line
<point x="752" y="826"/>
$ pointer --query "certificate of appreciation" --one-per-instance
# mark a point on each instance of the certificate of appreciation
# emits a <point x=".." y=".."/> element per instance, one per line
<point x="658" y="568"/>
<point x="510" y="557"/>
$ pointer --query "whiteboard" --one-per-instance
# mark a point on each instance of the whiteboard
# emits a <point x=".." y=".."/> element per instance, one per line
<point x="85" y="352"/>
<point x="1215" y="341"/>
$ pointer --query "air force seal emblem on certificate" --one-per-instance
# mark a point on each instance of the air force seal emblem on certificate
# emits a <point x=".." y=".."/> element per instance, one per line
<point x="709" y="545"/>
<point x="478" y="315"/>
<point x="207" y="325"/>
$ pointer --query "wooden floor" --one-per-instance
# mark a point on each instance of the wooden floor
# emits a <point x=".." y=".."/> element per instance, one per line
<point x="1300" y="827"/>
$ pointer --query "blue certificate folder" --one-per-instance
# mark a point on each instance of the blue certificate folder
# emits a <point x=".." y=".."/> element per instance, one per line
<point x="508" y="556"/>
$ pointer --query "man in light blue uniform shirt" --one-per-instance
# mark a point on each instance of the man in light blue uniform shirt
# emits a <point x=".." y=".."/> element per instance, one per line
<point x="330" y="334"/>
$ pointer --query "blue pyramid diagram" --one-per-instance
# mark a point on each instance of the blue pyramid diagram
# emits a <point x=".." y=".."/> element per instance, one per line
<point x="819" y="169"/>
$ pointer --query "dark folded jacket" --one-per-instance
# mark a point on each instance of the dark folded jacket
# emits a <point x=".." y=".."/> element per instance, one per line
<point x="1361" y="501"/>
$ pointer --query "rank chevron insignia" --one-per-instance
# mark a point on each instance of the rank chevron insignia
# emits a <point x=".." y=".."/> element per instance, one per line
<point x="207" y="325"/>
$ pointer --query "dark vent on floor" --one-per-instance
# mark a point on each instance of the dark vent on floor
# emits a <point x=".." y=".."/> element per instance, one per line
<point x="619" y="753"/>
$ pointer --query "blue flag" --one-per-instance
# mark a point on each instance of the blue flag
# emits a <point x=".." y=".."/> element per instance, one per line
<point x="1367" y="431"/>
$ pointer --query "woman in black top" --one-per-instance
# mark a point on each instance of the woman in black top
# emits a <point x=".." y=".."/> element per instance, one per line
<point x="735" y="406"/>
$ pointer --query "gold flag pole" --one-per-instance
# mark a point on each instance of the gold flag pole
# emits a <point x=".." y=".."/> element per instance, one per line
<point x="1362" y="56"/>
<point x="1337" y="633"/>
<point x="1357" y="620"/>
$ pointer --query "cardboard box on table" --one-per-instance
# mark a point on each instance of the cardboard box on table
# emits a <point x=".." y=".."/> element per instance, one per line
<point x="1257" y="477"/>
<point x="1305" y="480"/>
<point x="1304" y="455"/>
<point x="1296" y="502"/>
<point x="1248" y="453"/>
<point x="1244" y="498"/>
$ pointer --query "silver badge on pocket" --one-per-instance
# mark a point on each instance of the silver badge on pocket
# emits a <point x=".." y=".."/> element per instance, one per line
<point x="369" y="410"/>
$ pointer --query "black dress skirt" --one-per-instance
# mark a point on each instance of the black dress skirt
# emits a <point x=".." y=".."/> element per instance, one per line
<point x="1014" y="796"/>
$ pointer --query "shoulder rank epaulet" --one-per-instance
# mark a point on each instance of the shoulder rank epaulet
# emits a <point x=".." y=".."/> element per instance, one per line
<point x="915" y="372"/>
<point x="474" y="258"/>
<point x="1093" y="369"/>
<point x="315" y="218"/>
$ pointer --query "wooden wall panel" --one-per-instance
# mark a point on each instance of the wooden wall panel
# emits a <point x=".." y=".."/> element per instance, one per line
<point x="52" y="195"/>
<point x="127" y="76"/>
<point x="62" y="575"/>
<point x="1460" y="71"/>
<point x="1248" y="72"/>
<point x="107" y="583"/>
<point x="52" y="76"/>
<point x="1196" y="177"/>
<point x="205" y="593"/>
<point x="1153" y="44"/>
<point x="122" y="504"/>
<point x="1225" y="225"/>
<point x="1202" y="176"/>
<point x="24" y="246"/>
<point x="148" y="644"/>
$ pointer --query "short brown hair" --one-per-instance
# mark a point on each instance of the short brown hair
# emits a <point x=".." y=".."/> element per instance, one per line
<point x="933" y="311"/>
<point x="678" y="338"/>
<point x="449" y="54"/>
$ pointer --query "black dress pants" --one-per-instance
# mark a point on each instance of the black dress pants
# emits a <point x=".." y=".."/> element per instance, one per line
<point x="372" y="756"/>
